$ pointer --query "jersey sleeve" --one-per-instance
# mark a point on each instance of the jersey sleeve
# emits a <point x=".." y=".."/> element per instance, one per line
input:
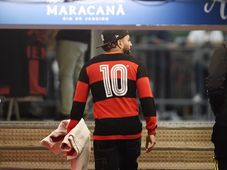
<point x="146" y="100"/>
<point x="80" y="98"/>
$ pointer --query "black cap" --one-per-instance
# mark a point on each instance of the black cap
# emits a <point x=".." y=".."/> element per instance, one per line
<point x="111" y="36"/>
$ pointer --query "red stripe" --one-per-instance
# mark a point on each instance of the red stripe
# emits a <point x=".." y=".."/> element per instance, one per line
<point x="151" y="124"/>
<point x="95" y="74"/>
<point x="81" y="92"/>
<point x="143" y="86"/>
<point x="116" y="108"/>
<point x="71" y="125"/>
<point x="117" y="137"/>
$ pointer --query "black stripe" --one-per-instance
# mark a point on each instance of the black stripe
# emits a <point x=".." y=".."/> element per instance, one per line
<point x="148" y="106"/>
<point x="118" y="126"/>
<point x="141" y="72"/>
<point x="98" y="90"/>
<point x="77" y="110"/>
<point x="83" y="75"/>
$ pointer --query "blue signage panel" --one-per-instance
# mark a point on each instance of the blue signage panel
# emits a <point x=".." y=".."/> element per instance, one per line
<point x="113" y="12"/>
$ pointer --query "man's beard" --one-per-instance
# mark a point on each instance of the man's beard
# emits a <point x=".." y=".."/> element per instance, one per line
<point x="126" y="51"/>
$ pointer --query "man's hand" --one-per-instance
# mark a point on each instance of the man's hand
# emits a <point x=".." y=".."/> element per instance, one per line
<point x="150" y="142"/>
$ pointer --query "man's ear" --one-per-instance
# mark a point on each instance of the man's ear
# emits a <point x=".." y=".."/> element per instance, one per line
<point x="119" y="43"/>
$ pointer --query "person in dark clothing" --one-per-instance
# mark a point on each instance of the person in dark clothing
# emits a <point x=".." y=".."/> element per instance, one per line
<point x="115" y="78"/>
<point x="217" y="94"/>
<point x="71" y="49"/>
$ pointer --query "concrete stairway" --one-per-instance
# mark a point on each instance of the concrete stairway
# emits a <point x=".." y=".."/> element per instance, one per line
<point x="180" y="146"/>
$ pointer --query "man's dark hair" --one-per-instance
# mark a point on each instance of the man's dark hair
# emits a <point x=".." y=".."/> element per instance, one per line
<point x="109" y="46"/>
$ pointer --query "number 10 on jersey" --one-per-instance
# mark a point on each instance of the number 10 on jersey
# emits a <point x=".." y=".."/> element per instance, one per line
<point x="110" y="79"/>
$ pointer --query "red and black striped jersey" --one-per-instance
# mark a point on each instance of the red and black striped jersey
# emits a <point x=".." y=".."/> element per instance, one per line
<point x="115" y="81"/>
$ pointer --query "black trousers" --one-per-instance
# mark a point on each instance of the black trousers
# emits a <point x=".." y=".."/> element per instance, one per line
<point x="117" y="154"/>
<point x="219" y="138"/>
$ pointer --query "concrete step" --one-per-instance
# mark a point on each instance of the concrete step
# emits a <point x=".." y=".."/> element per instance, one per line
<point x="142" y="166"/>
<point x="180" y="146"/>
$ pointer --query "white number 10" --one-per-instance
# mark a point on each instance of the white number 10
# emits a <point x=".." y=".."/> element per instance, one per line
<point x="113" y="86"/>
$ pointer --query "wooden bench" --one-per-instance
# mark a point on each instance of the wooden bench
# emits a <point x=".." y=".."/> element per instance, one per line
<point x="180" y="146"/>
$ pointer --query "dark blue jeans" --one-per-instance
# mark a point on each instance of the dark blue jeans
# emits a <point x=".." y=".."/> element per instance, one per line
<point x="117" y="154"/>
